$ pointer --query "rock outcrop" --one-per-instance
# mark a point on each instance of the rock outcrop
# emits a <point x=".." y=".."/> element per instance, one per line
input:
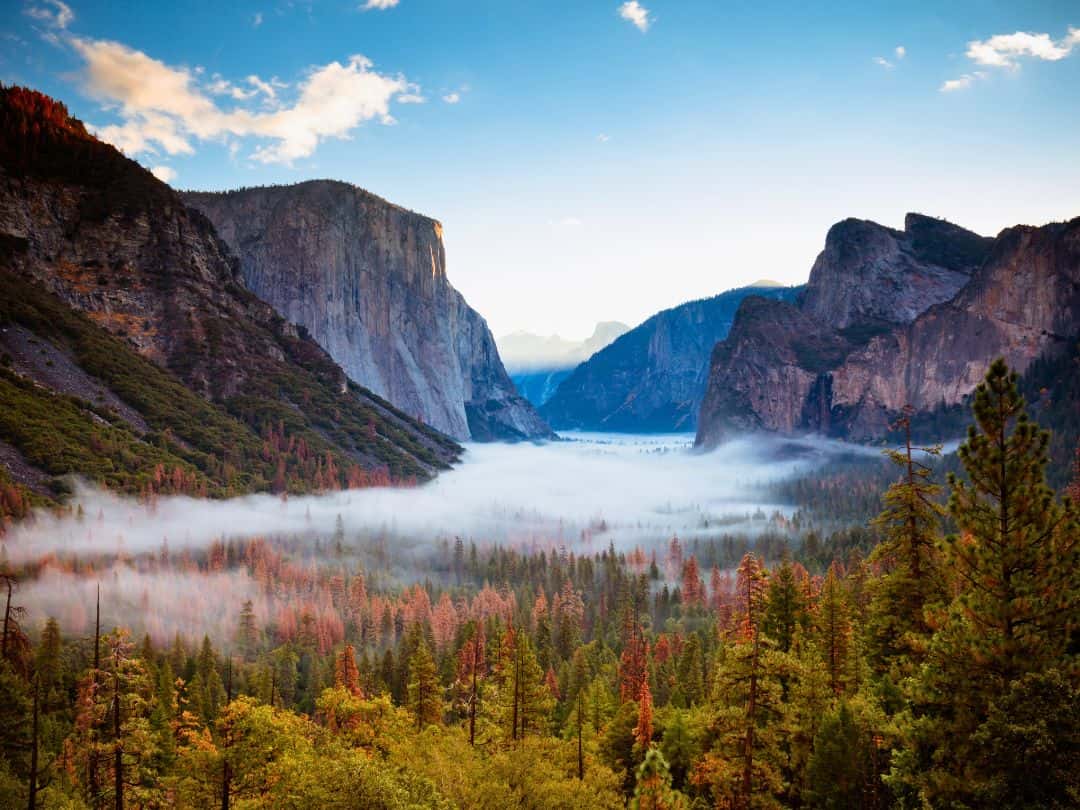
<point x="653" y="377"/>
<point x="105" y="238"/>
<point x="367" y="280"/>
<point x="869" y="274"/>
<point x="836" y="364"/>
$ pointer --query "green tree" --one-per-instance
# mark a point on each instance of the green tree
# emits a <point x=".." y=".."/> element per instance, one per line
<point x="425" y="693"/>
<point x="910" y="524"/>
<point x="784" y="606"/>
<point x="1015" y="567"/>
<point x="653" y="790"/>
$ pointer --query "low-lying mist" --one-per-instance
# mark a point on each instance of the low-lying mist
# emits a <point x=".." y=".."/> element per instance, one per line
<point x="580" y="494"/>
<point x="628" y="489"/>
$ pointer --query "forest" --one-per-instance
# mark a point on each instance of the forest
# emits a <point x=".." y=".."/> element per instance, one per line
<point x="926" y="658"/>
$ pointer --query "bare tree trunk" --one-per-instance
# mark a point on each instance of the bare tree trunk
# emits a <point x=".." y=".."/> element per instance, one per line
<point x="473" y="696"/>
<point x="580" y="750"/>
<point x="92" y="760"/>
<point x="32" y="802"/>
<point x="226" y="768"/>
<point x="748" y="745"/>
<point x="118" y="749"/>
<point x="7" y="619"/>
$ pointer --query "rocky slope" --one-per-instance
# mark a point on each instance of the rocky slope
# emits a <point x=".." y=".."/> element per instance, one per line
<point x="653" y="377"/>
<point x="835" y="364"/>
<point x="367" y="279"/>
<point x="107" y="273"/>
<point x="538" y="365"/>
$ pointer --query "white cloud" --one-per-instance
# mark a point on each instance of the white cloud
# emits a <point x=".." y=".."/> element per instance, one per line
<point x="257" y="19"/>
<point x="900" y="51"/>
<point x="1003" y="50"/>
<point x="379" y="5"/>
<point x="602" y="138"/>
<point x="568" y="222"/>
<point x="637" y="14"/>
<point x="1006" y="51"/>
<point x="165" y="107"/>
<point x="963" y="83"/>
<point x="411" y="98"/>
<point x="166" y="174"/>
<point x="59" y="15"/>
<point x="452" y="98"/>
<point x="885" y="63"/>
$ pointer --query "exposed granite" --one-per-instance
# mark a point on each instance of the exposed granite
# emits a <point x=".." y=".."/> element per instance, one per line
<point x="367" y="279"/>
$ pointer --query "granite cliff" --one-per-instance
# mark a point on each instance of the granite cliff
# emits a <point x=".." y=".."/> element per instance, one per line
<point x="108" y="277"/>
<point x="367" y="280"/>
<point x="653" y="377"/>
<point x="892" y="319"/>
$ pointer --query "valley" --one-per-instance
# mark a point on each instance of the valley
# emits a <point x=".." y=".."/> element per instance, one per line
<point x="284" y="525"/>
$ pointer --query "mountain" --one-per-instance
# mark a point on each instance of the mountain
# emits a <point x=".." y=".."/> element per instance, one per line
<point x="537" y="364"/>
<point x="523" y="351"/>
<point x="367" y="279"/>
<point x="891" y="319"/>
<point x="132" y="354"/>
<point x="653" y="377"/>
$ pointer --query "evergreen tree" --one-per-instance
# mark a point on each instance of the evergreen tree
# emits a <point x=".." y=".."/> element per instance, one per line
<point x="911" y="579"/>
<point x="654" y="791"/>
<point x="425" y="698"/>
<point x="784" y="606"/>
<point x="1015" y="568"/>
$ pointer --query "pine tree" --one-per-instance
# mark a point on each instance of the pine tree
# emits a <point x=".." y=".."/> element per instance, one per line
<point x="897" y="628"/>
<point x="1015" y="568"/>
<point x="653" y="790"/>
<point x="783" y="607"/>
<point x="346" y="673"/>
<point x="247" y="635"/>
<point x="834" y="630"/>
<point x="425" y="698"/>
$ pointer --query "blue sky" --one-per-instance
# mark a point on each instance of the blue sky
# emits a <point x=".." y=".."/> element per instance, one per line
<point x="591" y="160"/>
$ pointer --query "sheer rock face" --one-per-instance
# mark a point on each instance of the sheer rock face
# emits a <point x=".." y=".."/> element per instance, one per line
<point x="653" y="377"/>
<point x="859" y="371"/>
<point x="367" y="279"/>
<point x="114" y="242"/>
<point x="868" y="273"/>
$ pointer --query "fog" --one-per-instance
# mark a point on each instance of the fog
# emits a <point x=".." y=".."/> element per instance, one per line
<point x="617" y="488"/>
<point x="579" y="494"/>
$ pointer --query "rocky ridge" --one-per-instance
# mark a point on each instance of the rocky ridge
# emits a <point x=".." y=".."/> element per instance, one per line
<point x="881" y="327"/>
<point x="367" y="280"/>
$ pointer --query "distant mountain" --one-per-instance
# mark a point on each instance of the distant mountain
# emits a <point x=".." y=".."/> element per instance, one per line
<point x="524" y="351"/>
<point x="653" y="377"/>
<point x="132" y="355"/>
<point x="368" y="280"/>
<point x="894" y="318"/>
<point x="538" y="364"/>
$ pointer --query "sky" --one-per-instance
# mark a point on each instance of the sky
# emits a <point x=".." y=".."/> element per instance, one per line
<point x="595" y="159"/>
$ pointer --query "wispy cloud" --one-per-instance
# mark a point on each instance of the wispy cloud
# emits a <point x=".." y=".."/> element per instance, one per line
<point x="963" y="83"/>
<point x="899" y="52"/>
<point x="168" y="108"/>
<point x="452" y="98"/>
<point x="378" y="5"/>
<point x="52" y="13"/>
<point x="636" y="14"/>
<point x="257" y="19"/>
<point x="602" y="138"/>
<point x="1008" y="50"/>
<point x="166" y="174"/>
